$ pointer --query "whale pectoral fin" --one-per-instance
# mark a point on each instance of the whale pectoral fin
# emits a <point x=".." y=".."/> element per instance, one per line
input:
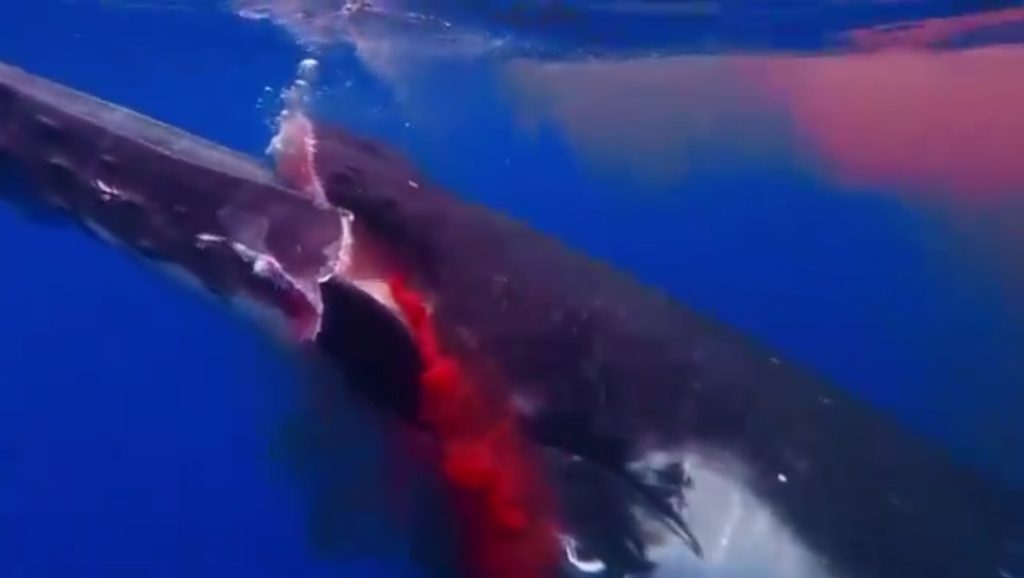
<point x="653" y="492"/>
<point x="602" y="534"/>
<point x="663" y="490"/>
<point x="612" y="516"/>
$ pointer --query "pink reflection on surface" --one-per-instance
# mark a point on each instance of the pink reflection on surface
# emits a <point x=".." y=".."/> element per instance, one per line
<point x="941" y="130"/>
<point x="943" y="126"/>
<point x="653" y="119"/>
<point x="937" y="31"/>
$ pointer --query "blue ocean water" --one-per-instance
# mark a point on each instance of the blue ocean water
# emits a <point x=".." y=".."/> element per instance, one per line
<point x="141" y="426"/>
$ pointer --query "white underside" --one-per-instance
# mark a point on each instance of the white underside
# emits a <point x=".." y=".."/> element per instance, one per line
<point x="740" y="534"/>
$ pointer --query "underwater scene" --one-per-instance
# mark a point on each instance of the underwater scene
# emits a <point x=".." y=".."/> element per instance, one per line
<point x="538" y="289"/>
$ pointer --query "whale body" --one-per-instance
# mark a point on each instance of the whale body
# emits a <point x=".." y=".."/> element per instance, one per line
<point x="676" y="446"/>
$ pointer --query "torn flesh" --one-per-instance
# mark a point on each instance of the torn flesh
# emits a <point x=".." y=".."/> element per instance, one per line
<point x="293" y="150"/>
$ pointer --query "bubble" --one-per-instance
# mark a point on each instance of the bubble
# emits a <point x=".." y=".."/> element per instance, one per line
<point x="308" y="70"/>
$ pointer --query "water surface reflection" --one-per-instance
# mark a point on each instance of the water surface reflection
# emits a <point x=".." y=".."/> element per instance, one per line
<point x="869" y="203"/>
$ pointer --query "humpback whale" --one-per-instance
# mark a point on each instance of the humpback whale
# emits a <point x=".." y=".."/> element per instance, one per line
<point x="654" y="441"/>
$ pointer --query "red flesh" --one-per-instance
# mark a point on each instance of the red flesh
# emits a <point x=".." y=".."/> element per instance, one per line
<point x="502" y="508"/>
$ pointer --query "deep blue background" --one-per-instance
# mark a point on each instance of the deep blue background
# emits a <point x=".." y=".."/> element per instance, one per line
<point x="140" y="427"/>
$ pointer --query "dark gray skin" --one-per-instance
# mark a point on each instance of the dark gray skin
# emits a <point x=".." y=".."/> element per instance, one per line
<point x="604" y="372"/>
<point x="614" y="369"/>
